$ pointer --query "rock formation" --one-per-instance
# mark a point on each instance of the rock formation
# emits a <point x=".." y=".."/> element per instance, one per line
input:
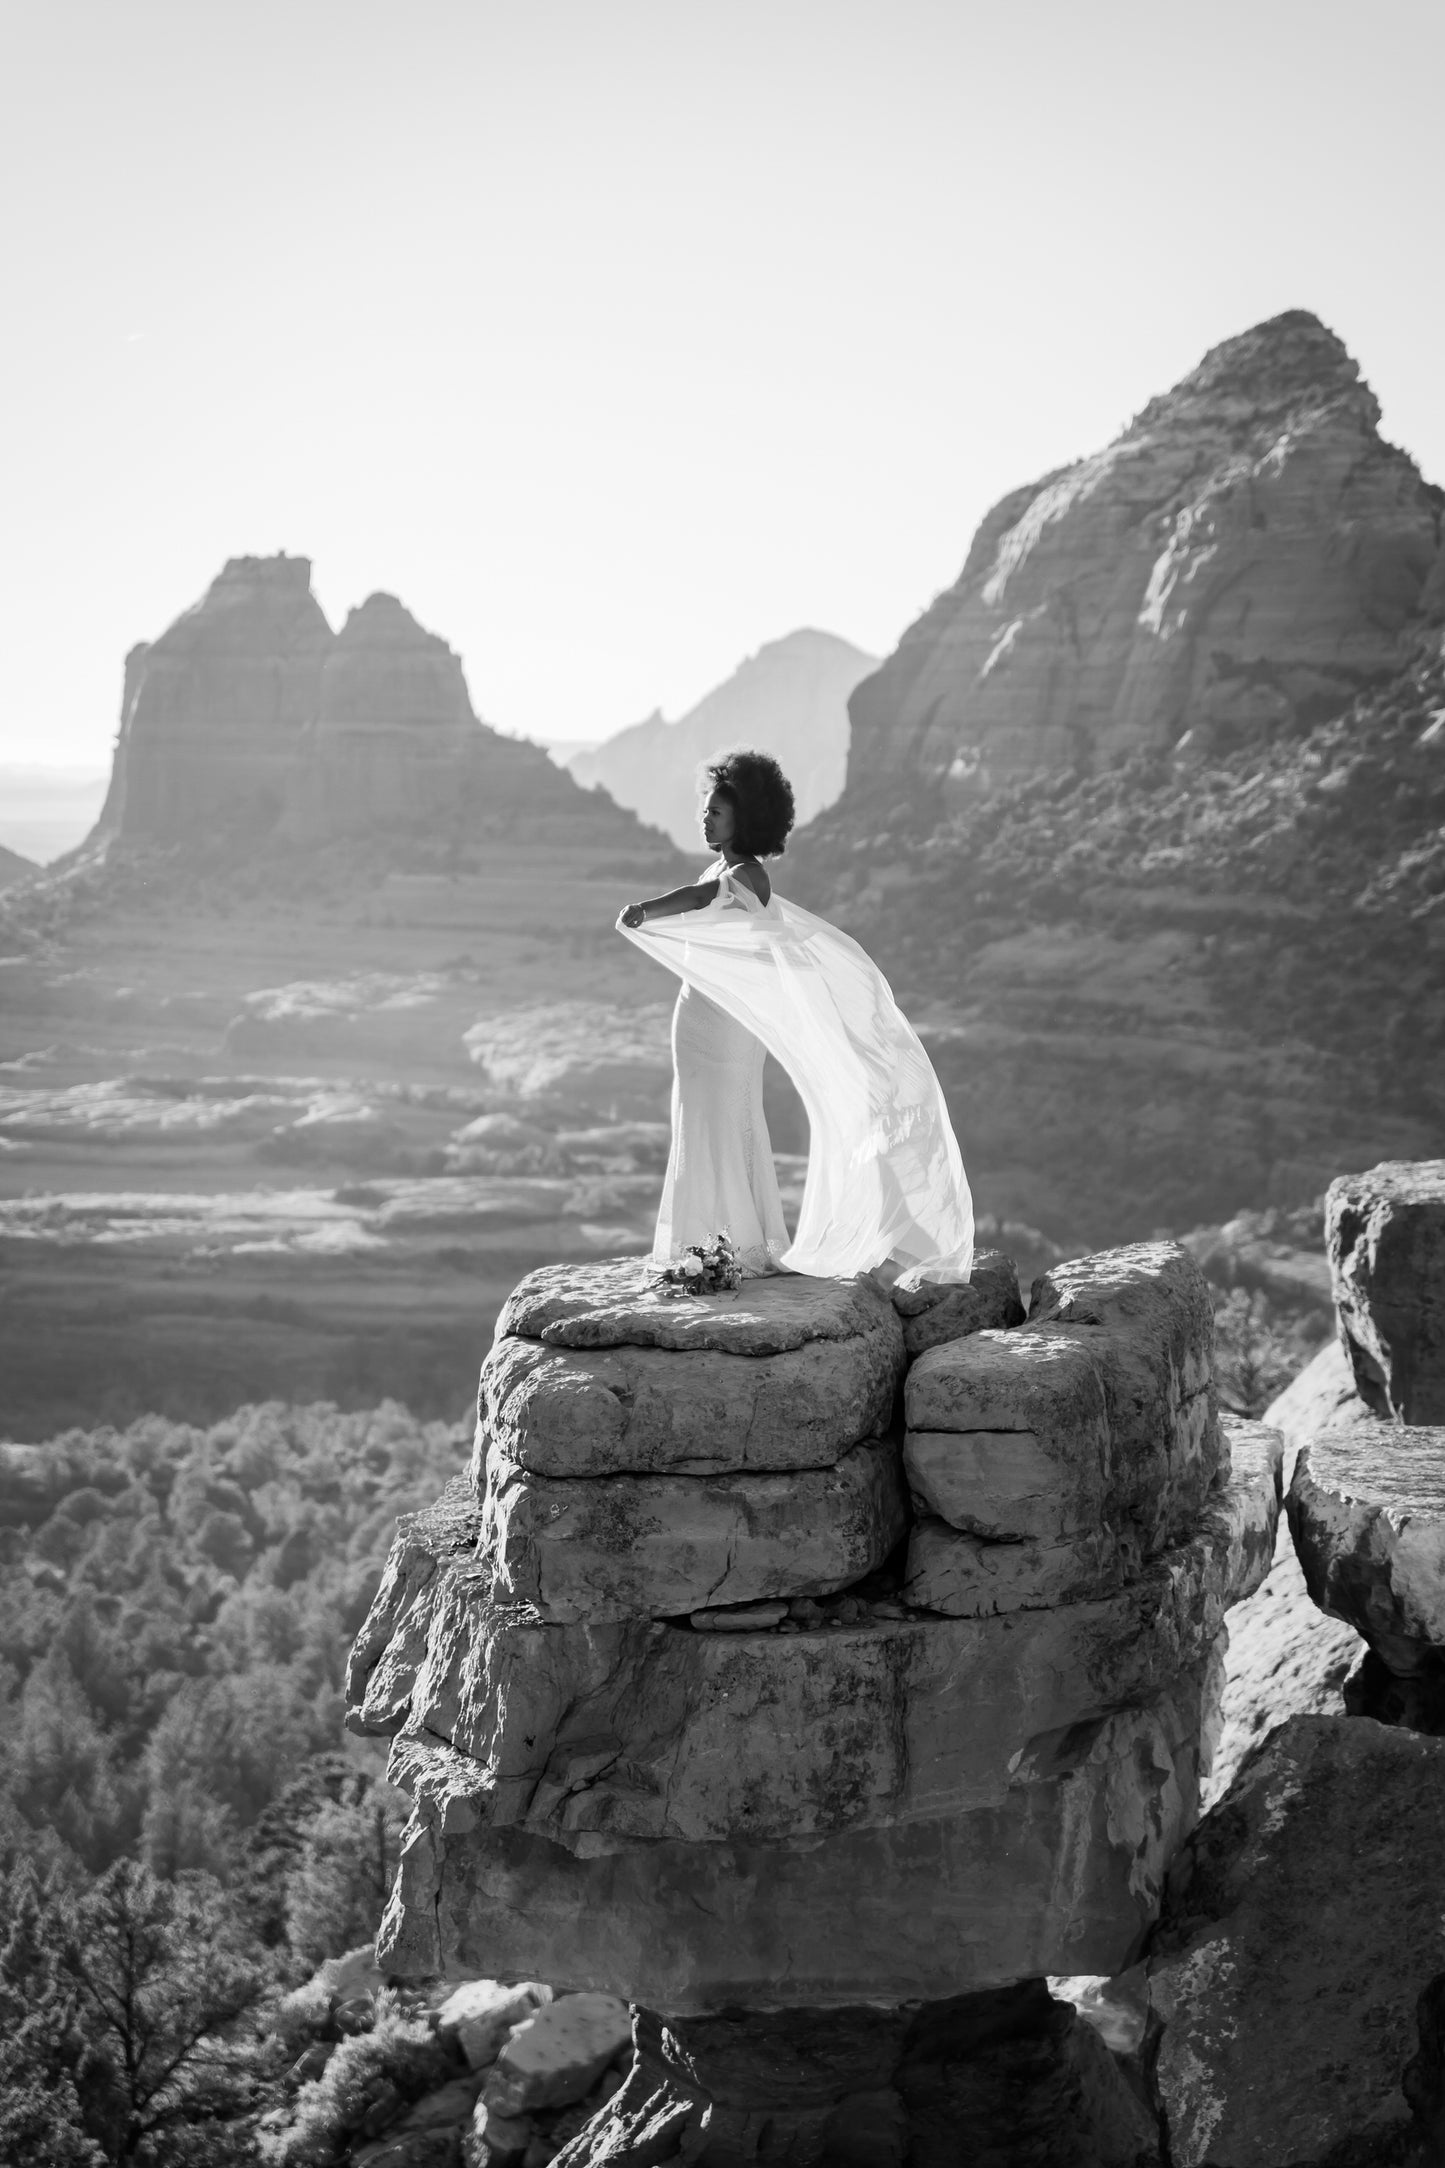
<point x="1147" y="814"/>
<point x="1296" y="1971"/>
<point x="692" y="1714"/>
<point x="1367" y="1498"/>
<point x="1245" y="555"/>
<point x="1305" y="1912"/>
<point x="790" y="699"/>
<point x="1385" y="1232"/>
<point x="214" y="711"/>
<point x="250" y="717"/>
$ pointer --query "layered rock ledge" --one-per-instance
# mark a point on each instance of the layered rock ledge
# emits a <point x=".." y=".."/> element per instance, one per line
<point x="685" y="1717"/>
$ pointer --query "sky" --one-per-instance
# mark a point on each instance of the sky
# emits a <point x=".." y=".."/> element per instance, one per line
<point x="619" y="337"/>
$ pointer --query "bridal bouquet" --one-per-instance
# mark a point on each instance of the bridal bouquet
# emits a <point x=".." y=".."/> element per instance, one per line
<point x="708" y="1268"/>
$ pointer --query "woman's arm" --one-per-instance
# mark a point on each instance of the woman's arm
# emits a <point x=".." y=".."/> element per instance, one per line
<point x="694" y="898"/>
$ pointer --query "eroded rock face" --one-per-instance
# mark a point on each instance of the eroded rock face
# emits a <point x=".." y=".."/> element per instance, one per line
<point x="629" y="1781"/>
<point x="584" y="1377"/>
<point x="1245" y="555"/>
<point x="1301" y="1933"/>
<point x="874" y="2088"/>
<point x="625" y="1546"/>
<point x="1046" y="1462"/>
<point x="215" y="710"/>
<point x="932" y="1313"/>
<point x="1385" y="1234"/>
<point x="1367" y="1512"/>
<point x="250" y="718"/>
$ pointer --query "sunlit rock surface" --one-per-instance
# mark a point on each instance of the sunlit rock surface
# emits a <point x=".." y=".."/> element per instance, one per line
<point x="1296" y="1970"/>
<point x="1245" y="554"/>
<point x="1385" y="1232"/>
<point x="1046" y="1462"/>
<point x="844" y="1795"/>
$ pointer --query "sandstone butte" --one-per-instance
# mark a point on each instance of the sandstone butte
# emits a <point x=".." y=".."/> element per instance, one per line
<point x="689" y="1717"/>
<point x="1248" y="552"/>
<point x="249" y="718"/>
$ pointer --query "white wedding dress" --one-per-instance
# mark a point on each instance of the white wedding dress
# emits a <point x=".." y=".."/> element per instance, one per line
<point x="885" y="1178"/>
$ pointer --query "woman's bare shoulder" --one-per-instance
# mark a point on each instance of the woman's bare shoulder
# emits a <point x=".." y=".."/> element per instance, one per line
<point x="753" y="876"/>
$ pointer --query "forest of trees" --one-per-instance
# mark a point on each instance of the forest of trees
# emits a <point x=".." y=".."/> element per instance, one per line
<point x="185" y="1829"/>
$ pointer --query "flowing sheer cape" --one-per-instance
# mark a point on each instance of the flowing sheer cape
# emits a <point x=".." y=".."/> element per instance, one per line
<point x="885" y="1177"/>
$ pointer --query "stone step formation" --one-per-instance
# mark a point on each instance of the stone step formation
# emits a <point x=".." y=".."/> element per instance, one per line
<point x="755" y="1667"/>
<point x="1296" y="1996"/>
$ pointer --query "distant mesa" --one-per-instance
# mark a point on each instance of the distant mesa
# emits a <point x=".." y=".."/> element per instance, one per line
<point x="1246" y="555"/>
<point x="252" y="717"/>
<point x="790" y="699"/>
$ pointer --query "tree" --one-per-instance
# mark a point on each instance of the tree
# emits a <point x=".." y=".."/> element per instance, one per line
<point x="338" y="1886"/>
<point x="40" y="2041"/>
<point x="161" y="1977"/>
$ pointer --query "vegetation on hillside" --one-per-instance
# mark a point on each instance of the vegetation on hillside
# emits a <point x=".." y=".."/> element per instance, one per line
<point x="181" y="1831"/>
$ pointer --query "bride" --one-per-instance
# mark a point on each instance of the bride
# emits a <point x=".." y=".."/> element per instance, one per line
<point x="885" y="1183"/>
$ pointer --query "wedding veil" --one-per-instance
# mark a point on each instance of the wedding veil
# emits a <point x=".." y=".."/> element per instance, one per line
<point x="885" y="1177"/>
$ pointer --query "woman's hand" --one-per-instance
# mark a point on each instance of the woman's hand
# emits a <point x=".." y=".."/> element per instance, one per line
<point x="635" y="914"/>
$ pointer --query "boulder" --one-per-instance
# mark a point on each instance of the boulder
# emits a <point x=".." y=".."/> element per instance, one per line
<point x="480" y="2014"/>
<point x="645" y="1411"/>
<point x="1301" y="1931"/>
<point x="933" y="1312"/>
<point x="1367" y="1512"/>
<point x="624" y="1546"/>
<point x="787" y="1372"/>
<point x="1066" y="1451"/>
<point x="558" y="2055"/>
<point x="1385" y="1233"/>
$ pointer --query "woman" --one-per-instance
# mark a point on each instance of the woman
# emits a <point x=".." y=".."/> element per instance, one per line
<point x="885" y="1180"/>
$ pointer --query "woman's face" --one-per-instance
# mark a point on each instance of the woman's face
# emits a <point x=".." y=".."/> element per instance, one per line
<point x="719" y="822"/>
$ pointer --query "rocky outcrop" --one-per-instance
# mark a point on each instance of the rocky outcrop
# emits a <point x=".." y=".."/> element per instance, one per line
<point x="871" y="2088"/>
<point x="1147" y="815"/>
<point x="1367" y="1497"/>
<point x="679" y="1724"/>
<point x="1047" y="1463"/>
<point x="1385" y="1233"/>
<point x="790" y="700"/>
<point x="1245" y="555"/>
<point x="250" y="717"/>
<point x="1294" y="1983"/>
<point x="214" y="712"/>
<point x="1367" y="1513"/>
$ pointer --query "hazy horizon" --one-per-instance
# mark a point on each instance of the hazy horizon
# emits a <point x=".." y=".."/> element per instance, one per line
<point x="619" y="343"/>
